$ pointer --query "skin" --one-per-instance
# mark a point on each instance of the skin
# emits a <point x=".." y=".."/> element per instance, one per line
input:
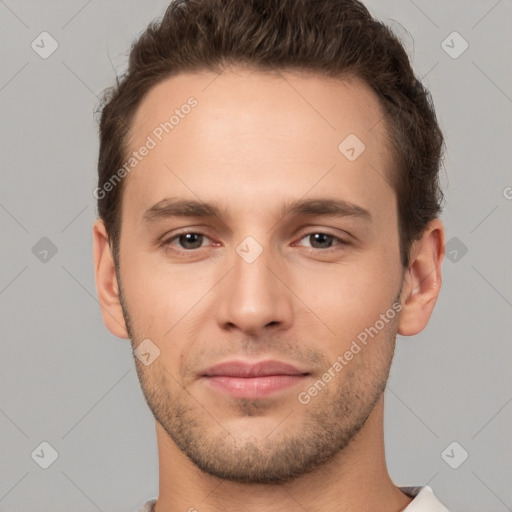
<point x="254" y="142"/>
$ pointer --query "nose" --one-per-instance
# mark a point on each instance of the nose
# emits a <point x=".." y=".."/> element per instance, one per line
<point x="254" y="296"/>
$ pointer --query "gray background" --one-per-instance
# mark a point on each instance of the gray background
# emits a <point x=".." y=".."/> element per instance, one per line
<point x="67" y="381"/>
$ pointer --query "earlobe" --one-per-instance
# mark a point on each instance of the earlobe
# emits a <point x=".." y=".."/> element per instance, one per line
<point x="106" y="282"/>
<point x="422" y="282"/>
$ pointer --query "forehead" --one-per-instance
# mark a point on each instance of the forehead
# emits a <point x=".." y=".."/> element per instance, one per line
<point x="290" y="99"/>
<point x="257" y="133"/>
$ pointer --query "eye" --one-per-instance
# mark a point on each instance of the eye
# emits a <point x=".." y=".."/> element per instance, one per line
<point x="192" y="240"/>
<point x="321" y="240"/>
<point x="187" y="241"/>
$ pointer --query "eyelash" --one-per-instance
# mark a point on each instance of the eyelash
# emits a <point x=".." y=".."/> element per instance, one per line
<point x="167" y="243"/>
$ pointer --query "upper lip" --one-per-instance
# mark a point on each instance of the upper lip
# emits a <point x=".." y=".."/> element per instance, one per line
<point x="239" y="368"/>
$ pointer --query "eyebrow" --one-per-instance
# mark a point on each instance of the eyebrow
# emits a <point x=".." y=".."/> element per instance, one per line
<point x="176" y="207"/>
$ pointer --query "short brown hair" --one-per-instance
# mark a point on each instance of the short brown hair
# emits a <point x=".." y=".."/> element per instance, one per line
<point x="335" y="38"/>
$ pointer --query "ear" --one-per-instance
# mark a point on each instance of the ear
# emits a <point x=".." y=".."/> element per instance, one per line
<point x="422" y="282"/>
<point x="106" y="282"/>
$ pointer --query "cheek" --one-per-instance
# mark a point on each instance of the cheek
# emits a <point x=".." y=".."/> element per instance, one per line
<point x="161" y="296"/>
<point x="346" y="296"/>
<point x="143" y="289"/>
<point x="348" y="299"/>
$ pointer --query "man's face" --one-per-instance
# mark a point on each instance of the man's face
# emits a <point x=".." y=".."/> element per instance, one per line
<point x="300" y="289"/>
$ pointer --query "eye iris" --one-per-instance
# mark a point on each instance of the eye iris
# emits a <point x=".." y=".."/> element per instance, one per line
<point x="193" y="238"/>
<point x="321" y="238"/>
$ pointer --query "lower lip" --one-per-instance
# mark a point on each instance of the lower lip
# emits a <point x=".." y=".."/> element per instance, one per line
<point x="253" y="387"/>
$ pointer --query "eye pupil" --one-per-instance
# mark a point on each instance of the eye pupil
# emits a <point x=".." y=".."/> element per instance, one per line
<point x="193" y="238"/>
<point x="322" y="238"/>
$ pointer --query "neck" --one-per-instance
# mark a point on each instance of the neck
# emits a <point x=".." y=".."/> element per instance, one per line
<point x="356" y="479"/>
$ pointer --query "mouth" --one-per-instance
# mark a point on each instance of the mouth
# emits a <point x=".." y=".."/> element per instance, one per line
<point x="253" y="380"/>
